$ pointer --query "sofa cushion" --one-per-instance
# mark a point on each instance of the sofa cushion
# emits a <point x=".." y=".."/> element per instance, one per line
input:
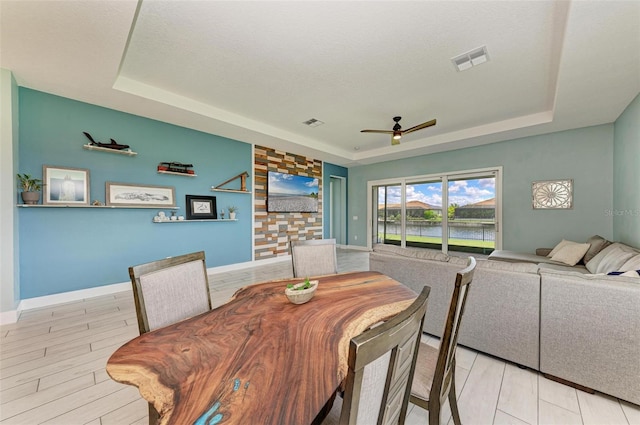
<point x="519" y="257"/>
<point x="571" y="253"/>
<point x="558" y="247"/>
<point x="564" y="268"/>
<point x="498" y="265"/>
<point x="507" y="266"/>
<point x="611" y="258"/>
<point x="598" y="243"/>
<point x="419" y="253"/>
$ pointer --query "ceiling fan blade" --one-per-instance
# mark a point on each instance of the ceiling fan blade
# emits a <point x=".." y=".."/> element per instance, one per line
<point x="377" y="131"/>
<point x="420" y="126"/>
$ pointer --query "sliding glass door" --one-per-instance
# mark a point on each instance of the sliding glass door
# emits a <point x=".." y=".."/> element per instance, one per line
<point x="423" y="215"/>
<point x="387" y="226"/>
<point x="449" y="212"/>
<point x="471" y="214"/>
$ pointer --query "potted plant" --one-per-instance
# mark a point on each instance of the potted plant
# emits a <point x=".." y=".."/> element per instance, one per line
<point x="30" y="188"/>
<point x="300" y="293"/>
<point x="232" y="212"/>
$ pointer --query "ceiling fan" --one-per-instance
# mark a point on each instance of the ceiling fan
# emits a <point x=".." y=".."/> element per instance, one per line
<point x="397" y="131"/>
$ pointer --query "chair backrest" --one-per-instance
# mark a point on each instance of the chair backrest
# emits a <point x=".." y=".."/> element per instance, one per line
<point x="169" y="290"/>
<point x="447" y="352"/>
<point x="382" y="361"/>
<point x="314" y="257"/>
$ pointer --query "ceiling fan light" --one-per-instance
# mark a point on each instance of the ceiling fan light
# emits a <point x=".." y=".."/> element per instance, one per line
<point x="397" y="136"/>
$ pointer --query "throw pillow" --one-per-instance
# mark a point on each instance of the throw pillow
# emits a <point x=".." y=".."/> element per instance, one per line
<point x="609" y="259"/>
<point x="632" y="263"/>
<point x="571" y="253"/>
<point x="630" y="273"/>
<point x="558" y="247"/>
<point x="598" y="243"/>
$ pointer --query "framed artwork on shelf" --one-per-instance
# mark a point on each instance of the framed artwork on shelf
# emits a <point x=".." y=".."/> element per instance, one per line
<point x="140" y="195"/>
<point x="201" y="207"/>
<point x="65" y="185"/>
<point x="552" y="194"/>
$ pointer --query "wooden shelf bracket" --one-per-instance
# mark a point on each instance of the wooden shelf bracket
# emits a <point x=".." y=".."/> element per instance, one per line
<point x="243" y="183"/>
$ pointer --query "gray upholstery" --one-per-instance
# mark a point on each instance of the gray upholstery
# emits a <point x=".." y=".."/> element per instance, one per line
<point x="520" y="257"/>
<point x="590" y="331"/>
<point x="381" y="361"/>
<point x="170" y="290"/>
<point x="314" y="257"/>
<point x="509" y="331"/>
<point x="580" y="327"/>
<point x="167" y="291"/>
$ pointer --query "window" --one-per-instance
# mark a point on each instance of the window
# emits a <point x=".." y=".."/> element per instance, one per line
<point x="451" y="212"/>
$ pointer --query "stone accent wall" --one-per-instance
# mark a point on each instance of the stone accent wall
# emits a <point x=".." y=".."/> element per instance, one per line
<point x="272" y="231"/>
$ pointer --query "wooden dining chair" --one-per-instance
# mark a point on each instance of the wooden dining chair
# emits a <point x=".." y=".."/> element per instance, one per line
<point x="434" y="380"/>
<point x="314" y="257"/>
<point x="168" y="291"/>
<point x="381" y="366"/>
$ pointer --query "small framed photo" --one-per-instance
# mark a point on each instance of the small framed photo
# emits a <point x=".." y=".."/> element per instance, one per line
<point x="65" y="185"/>
<point x="201" y="207"/>
<point x="127" y="194"/>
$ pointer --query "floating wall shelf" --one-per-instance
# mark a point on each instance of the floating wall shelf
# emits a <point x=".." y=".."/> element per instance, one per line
<point x="191" y="221"/>
<point x="127" y="152"/>
<point x="243" y="184"/>
<point x="177" y="174"/>
<point x="99" y="206"/>
<point x="215" y="189"/>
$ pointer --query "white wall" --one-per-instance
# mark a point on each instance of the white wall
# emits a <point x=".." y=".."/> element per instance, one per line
<point x="9" y="289"/>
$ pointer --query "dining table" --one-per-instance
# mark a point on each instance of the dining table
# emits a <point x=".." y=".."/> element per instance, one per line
<point x="258" y="359"/>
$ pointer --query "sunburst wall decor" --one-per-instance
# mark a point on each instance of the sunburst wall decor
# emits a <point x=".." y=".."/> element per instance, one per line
<point x="552" y="194"/>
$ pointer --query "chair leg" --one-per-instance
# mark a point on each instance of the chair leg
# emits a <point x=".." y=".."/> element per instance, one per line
<point x="452" y="401"/>
<point x="434" y="412"/>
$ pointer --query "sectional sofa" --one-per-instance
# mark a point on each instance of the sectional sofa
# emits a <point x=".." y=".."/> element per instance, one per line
<point x="565" y="321"/>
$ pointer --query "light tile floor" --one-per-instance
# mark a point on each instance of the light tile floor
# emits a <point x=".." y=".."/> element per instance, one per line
<point x="52" y="368"/>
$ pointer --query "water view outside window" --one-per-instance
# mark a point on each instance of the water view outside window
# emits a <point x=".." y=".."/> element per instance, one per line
<point x="467" y="222"/>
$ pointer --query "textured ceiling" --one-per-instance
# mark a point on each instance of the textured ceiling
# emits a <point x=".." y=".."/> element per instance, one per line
<point x="254" y="71"/>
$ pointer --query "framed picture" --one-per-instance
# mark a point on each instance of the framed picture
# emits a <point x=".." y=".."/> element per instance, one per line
<point x="552" y="194"/>
<point x="65" y="185"/>
<point x="140" y="195"/>
<point x="201" y="207"/>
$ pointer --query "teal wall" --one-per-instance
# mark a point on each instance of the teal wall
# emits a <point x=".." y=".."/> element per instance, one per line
<point x="626" y="175"/>
<point x="328" y="171"/>
<point x="66" y="249"/>
<point x="584" y="155"/>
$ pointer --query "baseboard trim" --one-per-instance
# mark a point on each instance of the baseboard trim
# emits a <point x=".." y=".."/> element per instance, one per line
<point x="71" y="296"/>
<point x="240" y="266"/>
<point x="7" y="317"/>
<point x="98" y="291"/>
<point x="353" y="247"/>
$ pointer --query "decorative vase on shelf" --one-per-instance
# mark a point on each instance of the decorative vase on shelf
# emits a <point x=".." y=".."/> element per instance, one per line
<point x="30" y="198"/>
<point x="232" y="212"/>
<point x="31" y="188"/>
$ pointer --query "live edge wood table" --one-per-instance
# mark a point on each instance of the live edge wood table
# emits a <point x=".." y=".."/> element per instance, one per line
<point x="258" y="359"/>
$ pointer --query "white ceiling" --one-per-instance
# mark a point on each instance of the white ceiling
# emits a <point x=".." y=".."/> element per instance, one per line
<point x="254" y="71"/>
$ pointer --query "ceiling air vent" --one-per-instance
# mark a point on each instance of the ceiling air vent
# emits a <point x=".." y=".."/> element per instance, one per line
<point x="312" y="122"/>
<point x="470" y="59"/>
